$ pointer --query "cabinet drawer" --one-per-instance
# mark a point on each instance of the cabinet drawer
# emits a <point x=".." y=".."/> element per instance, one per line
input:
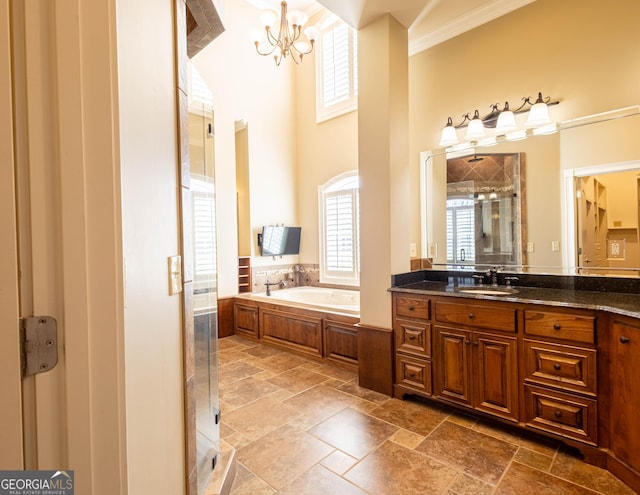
<point x="413" y="373"/>
<point x="568" y="367"/>
<point x="412" y="307"/>
<point x="562" y="414"/>
<point x="413" y="337"/>
<point x="489" y="316"/>
<point x="565" y="326"/>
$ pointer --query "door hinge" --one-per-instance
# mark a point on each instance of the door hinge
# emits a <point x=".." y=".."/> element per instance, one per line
<point x="39" y="343"/>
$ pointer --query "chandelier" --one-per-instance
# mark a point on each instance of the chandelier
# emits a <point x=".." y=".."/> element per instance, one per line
<point x="289" y="40"/>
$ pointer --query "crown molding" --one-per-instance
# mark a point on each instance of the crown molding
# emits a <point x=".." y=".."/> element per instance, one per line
<point x="466" y="22"/>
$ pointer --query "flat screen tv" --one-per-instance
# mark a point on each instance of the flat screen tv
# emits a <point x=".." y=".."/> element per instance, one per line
<point x="278" y="241"/>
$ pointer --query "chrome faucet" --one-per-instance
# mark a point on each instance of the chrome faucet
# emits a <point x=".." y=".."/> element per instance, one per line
<point x="493" y="273"/>
<point x="269" y="284"/>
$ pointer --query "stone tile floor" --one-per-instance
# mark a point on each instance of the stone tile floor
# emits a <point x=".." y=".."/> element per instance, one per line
<point x="302" y="427"/>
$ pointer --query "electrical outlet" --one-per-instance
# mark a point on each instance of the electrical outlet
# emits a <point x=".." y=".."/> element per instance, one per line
<point x="530" y="247"/>
<point x="413" y="251"/>
<point x="555" y="246"/>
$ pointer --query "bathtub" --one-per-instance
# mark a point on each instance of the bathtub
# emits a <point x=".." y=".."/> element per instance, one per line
<point x="339" y="300"/>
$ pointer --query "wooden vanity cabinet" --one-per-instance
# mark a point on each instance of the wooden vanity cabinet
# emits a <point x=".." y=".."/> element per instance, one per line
<point x="412" y="338"/>
<point x="476" y="361"/>
<point x="569" y="373"/>
<point x="560" y="379"/>
<point x="625" y="391"/>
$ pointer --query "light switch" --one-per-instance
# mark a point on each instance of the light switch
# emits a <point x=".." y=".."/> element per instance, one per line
<point x="530" y="247"/>
<point x="555" y="246"/>
<point x="175" y="275"/>
<point x="413" y="251"/>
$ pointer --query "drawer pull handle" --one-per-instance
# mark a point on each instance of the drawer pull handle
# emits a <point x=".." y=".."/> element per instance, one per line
<point x="475" y="343"/>
<point x="411" y="308"/>
<point x="467" y="341"/>
<point x="557" y="366"/>
<point x="556" y="326"/>
<point x="558" y="414"/>
<point x="471" y="316"/>
<point x="411" y="337"/>
<point x="624" y="340"/>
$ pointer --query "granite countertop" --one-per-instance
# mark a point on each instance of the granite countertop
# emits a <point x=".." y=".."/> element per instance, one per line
<point x="619" y="303"/>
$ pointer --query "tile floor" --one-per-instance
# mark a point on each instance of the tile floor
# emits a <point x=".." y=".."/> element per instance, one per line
<point x="301" y="427"/>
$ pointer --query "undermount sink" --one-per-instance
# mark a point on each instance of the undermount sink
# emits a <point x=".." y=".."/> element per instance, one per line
<point x="488" y="290"/>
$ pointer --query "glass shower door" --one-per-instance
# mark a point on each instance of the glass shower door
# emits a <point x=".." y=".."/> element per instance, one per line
<point x="202" y="189"/>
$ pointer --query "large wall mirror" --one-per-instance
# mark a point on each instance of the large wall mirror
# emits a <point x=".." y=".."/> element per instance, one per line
<point x="573" y="209"/>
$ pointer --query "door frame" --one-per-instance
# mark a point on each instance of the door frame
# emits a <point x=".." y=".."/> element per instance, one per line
<point x="11" y="426"/>
<point x="569" y="205"/>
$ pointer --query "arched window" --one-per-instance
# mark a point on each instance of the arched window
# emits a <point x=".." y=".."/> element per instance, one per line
<point x="340" y="230"/>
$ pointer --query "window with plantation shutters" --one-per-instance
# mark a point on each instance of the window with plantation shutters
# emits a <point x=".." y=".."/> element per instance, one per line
<point x="460" y="231"/>
<point x="339" y="230"/>
<point x="336" y="69"/>
<point x="204" y="235"/>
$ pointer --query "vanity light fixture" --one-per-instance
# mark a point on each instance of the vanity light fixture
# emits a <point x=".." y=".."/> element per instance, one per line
<point x="502" y="120"/>
<point x="289" y="41"/>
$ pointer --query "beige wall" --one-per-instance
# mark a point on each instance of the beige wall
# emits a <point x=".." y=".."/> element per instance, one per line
<point x="582" y="53"/>
<point x="152" y="338"/>
<point x="324" y="150"/>
<point x="247" y="86"/>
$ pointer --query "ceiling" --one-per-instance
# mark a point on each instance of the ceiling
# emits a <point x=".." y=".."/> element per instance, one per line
<point x="429" y="21"/>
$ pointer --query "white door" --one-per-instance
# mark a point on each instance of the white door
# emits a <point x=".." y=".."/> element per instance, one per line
<point x="11" y="453"/>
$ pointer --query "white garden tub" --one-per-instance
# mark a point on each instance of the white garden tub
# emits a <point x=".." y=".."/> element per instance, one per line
<point x="339" y="300"/>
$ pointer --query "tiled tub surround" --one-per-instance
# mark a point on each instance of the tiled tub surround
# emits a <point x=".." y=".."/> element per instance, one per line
<point x="303" y="427"/>
<point x="293" y="275"/>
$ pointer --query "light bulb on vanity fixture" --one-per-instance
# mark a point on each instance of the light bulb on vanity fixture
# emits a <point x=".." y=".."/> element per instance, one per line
<point x="475" y="129"/>
<point x="502" y="122"/>
<point x="289" y="40"/>
<point x="506" y="119"/>
<point x="539" y="113"/>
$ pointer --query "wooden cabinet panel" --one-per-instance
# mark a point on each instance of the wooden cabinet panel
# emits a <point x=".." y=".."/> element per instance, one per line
<point x="411" y="306"/>
<point x="493" y="317"/>
<point x="413" y="373"/>
<point x="563" y="414"/>
<point x="568" y="367"/>
<point x="625" y="393"/>
<point x="557" y="325"/>
<point x="413" y="337"/>
<point x="340" y="342"/>
<point x="496" y="364"/>
<point x="246" y="320"/>
<point x="453" y="370"/>
<point x="299" y="332"/>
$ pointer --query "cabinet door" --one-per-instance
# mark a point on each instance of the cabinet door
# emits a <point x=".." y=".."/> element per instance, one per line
<point x="496" y="374"/>
<point x="453" y="372"/>
<point x="625" y="397"/>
